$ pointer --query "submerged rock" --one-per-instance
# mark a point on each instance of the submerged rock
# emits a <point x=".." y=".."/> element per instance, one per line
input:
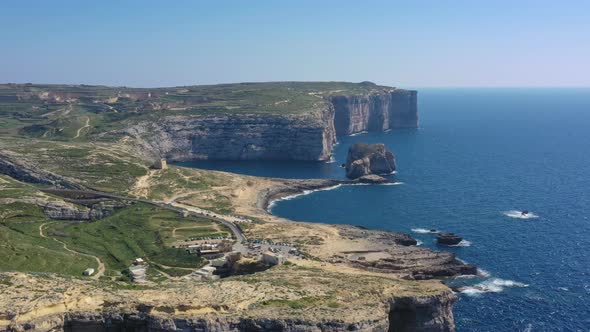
<point x="448" y="239"/>
<point x="364" y="159"/>
<point x="372" y="178"/>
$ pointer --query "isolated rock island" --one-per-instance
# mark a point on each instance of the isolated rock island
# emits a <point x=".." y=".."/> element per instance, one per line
<point x="365" y="159"/>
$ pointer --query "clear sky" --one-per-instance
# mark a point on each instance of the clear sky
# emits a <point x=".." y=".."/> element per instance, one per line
<point x="409" y="43"/>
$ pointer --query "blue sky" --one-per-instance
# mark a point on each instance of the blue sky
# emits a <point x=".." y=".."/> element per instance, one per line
<point x="414" y="43"/>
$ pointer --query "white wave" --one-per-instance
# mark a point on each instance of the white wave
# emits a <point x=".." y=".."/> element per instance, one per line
<point x="463" y="243"/>
<point x="359" y="133"/>
<point x="419" y="243"/>
<point x="483" y="273"/>
<point x="519" y="214"/>
<point x="392" y="184"/>
<point x="494" y="285"/>
<point x="423" y="230"/>
<point x="331" y="161"/>
<point x="273" y="202"/>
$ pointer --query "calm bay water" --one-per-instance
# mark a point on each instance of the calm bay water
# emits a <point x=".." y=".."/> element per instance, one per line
<point x="480" y="153"/>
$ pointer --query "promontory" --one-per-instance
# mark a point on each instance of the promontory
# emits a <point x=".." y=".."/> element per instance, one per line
<point x="101" y="231"/>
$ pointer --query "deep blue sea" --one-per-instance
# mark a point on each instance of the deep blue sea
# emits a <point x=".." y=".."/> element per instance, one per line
<point x="479" y="154"/>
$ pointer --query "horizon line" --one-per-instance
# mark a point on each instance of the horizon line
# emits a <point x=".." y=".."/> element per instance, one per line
<point x="321" y="81"/>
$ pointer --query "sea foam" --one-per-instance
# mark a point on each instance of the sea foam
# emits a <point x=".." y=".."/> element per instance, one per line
<point x="463" y="243"/>
<point x="273" y="202"/>
<point x="422" y="231"/>
<point x="493" y="285"/>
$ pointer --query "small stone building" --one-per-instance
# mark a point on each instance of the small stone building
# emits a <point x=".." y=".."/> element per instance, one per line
<point x="270" y="258"/>
<point x="161" y="164"/>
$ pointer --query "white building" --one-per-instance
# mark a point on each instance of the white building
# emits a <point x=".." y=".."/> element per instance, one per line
<point x="88" y="272"/>
<point x="206" y="273"/>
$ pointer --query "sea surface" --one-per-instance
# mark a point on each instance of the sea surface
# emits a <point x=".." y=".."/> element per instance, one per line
<point x="479" y="157"/>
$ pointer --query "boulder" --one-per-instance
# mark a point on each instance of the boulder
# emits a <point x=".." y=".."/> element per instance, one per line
<point x="448" y="239"/>
<point x="364" y="159"/>
<point x="373" y="179"/>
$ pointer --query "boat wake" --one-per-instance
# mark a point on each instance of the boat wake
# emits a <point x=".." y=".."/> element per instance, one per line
<point x="519" y="214"/>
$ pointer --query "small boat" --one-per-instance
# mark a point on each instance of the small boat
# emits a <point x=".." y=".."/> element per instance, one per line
<point x="524" y="213"/>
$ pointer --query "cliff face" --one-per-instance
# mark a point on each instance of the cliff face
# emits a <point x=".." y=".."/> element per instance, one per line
<point x="426" y="313"/>
<point x="374" y="113"/>
<point x="239" y="137"/>
<point x="308" y="136"/>
<point x="406" y="314"/>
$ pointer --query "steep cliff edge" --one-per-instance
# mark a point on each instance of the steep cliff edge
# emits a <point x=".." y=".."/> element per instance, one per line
<point x="292" y="299"/>
<point x="238" y="137"/>
<point x="309" y="135"/>
<point x="396" y="108"/>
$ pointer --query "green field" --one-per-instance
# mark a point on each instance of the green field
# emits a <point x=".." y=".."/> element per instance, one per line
<point x="23" y="249"/>
<point x="138" y="231"/>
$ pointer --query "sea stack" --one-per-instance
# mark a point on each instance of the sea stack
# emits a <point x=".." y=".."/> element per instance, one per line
<point x="364" y="159"/>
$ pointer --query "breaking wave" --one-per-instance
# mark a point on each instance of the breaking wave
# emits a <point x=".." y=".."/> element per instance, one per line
<point x="331" y="161"/>
<point x="423" y="231"/>
<point x="494" y="285"/>
<point x="273" y="202"/>
<point x="359" y="133"/>
<point x="519" y="215"/>
<point x="463" y="243"/>
<point x="392" y="184"/>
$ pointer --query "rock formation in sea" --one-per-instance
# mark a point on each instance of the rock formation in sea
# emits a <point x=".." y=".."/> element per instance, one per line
<point x="364" y="159"/>
<point x="448" y="239"/>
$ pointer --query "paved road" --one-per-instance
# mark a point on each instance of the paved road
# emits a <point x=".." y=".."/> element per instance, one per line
<point x="238" y="234"/>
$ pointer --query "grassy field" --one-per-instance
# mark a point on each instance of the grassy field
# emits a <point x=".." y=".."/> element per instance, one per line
<point x="23" y="249"/>
<point x="137" y="231"/>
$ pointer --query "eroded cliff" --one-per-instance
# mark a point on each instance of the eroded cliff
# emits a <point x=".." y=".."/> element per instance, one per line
<point x="309" y="135"/>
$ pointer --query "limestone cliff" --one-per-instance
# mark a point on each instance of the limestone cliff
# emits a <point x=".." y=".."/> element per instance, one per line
<point x="379" y="112"/>
<point x="238" y="137"/>
<point x="305" y="136"/>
